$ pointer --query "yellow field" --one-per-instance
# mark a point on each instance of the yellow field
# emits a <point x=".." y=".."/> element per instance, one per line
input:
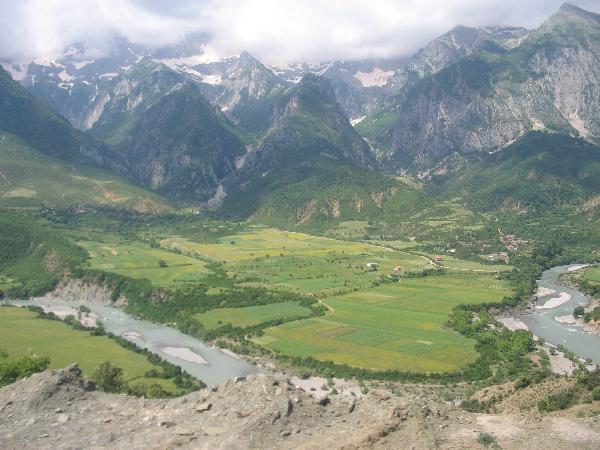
<point x="299" y="262"/>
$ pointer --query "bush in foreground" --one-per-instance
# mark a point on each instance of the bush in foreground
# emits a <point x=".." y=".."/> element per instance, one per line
<point x="109" y="377"/>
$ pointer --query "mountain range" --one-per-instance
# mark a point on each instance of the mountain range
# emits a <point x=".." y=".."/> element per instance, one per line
<point x="237" y="133"/>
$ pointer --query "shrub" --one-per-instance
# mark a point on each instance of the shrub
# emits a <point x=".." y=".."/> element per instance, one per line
<point x="558" y="401"/>
<point x="12" y="370"/>
<point x="596" y="393"/>
<point x="148" y="390"/>
<point x="486" y="439"/>
<point x="109" y="377"/>
<point x="162" y="263"/>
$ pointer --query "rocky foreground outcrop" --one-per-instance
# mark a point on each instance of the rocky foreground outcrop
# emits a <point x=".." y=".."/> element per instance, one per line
<point x="59" y="409"/>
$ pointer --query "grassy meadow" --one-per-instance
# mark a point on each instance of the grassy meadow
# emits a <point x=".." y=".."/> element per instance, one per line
<point x="251" y="315"/>
<point x="137" y="260"/>
<point x="393" y="326"/>
<point x="592" y="275"/>
<point x="22" y="332"/>
<point x="28" y="177"/>
<point x="298" y="262"/>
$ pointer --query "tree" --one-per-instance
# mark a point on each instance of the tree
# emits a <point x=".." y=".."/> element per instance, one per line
<point x="12" y="370"/>
<point x="162" y="263"/>
<point x="109" y="377"/>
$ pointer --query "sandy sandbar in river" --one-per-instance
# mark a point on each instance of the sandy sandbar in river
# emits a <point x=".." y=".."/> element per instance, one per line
<point x="184" y="354"/>
<point x="563" y="297"/>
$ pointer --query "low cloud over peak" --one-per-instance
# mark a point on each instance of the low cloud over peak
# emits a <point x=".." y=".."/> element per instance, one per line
<point x="274" y="30"/>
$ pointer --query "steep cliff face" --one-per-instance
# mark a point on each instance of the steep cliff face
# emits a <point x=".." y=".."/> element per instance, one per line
<point x="485" y="101"/>
<point x="181" y="146"/>
<point x="72" y="81"/>
<point x="115" y="110"/>
<point x="309" y="126"/>
<point x="450" y="48"/>
<point x="246" y="91"/>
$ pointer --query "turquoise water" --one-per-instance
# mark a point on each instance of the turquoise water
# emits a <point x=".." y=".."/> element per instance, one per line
<point x="219" y="368"/>
<point x="542" y="322"/>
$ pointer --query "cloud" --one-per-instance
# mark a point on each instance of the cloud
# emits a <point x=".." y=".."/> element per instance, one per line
<point x="273" y="30"/>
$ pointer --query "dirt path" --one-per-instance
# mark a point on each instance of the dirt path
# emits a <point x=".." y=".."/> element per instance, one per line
<point x="4" y="177"/>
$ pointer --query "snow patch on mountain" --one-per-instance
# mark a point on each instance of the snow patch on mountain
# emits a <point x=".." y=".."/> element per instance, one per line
<point x="17" y="71"/>
<point x="356" y="121"/>
<point x="64" y="76"/>
<point x="377" y="77"/>
<point x="81" y="64"/>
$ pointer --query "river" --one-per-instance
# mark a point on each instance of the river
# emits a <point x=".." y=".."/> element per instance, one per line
<point x="211" y="365"/>
<point x="560" y="303"/>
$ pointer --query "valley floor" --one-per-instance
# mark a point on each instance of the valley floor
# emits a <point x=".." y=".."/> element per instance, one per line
<point x="372" y="318"/>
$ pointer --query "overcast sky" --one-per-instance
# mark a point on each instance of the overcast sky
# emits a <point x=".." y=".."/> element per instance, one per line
<point x="274" y="30"/>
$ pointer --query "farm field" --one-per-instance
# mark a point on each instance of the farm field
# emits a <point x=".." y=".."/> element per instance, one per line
<point x="251" y="315"/>
<point x="592" y="274"/>
<point x="349" y="229"/>
<point x="22" y="332"/>
<point x="137" y="260"/>
<point x="393" y="326"/>
<point x="299" y="262"/>
<point x="453" y="263"/>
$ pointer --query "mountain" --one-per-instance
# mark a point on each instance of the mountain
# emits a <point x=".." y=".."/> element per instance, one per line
<point x="45" y="161"/>
<point x="327" y="196"/>
<point x="359" y="86"/>
<point x="310" y="135"/>
<point x="127" y="97"/>
<point x="540" y="172"/>
<point x="70" y="82"/>
<point x="247" y="93"/>
<point x="451" y="47"/>
<point x="24" y="116"/>
<point x="309" y="127"/>
<point x="493" y="96"/>
<point x="171" y="139"/>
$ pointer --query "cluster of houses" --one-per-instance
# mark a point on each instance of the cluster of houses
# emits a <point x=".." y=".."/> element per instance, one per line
<point x="512" y="242"/>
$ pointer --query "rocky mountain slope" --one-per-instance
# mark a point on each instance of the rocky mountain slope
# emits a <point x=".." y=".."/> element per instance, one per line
<point x="24" y="116"/>
<point x="248" y="92"/>
<point x="450" y="48"/>
<point x="59" y="409"/>
<point x="181" y="147"/>
<point x="44" y="160"/>
<point x="470" y="91"/>
<point x="170" y="138"/>
<point x="69" y="83"/>
<point x="309" y="133"/>
<point x="488" y="99"/>
<point x="540" y="172"/>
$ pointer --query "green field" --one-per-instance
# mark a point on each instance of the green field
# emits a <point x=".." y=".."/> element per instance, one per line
<point x="299" y="262"/>
<point x="453" y="263"/>
<point x="251" y="315"/>
<point x="394" y="326"/>
<point x="592" y="274"/>
<point x="137" y="260"/>
<point x="397" y="325"/>
<point x="28" y="177"/>
<point x="22" y="332"/>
